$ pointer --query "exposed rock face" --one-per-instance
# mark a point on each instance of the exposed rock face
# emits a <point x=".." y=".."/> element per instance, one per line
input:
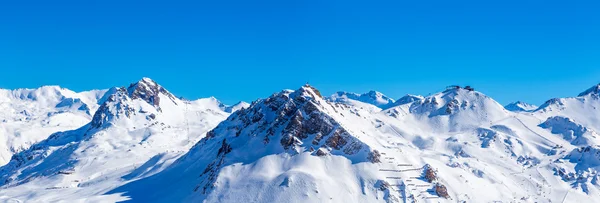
<point x="286" y="122"/>
<point x="441" y="191"/>
<point x="321" y="152"/>
<point x="114" y="106"/>
<point x="430" y="174"/>
<point x="148" y="90"/>
<point x="118" y="103"/>
<point x="382" y="185"/>
<point x="374" y="156"/>
<point x="297" y="118"/>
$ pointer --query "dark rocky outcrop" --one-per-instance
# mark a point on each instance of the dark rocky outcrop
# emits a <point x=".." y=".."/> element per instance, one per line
<point x="441" y="190"/>
<point x="429" y="173"/>
<point x="148" y="90"/>
<point x="374" y="157"/>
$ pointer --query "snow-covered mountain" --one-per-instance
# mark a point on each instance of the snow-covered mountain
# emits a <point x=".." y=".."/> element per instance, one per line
<point x="236" y="107"/>
<point x="145" y="145"/>
<point x="409" y="98"/>
<point x="520" y="106"/>
<point x="457" y="145"/>
<point x="583" y="109"/>
<point x="30" y="115"/>
<point x="372" y="97"/>
<point x="134" y="133"/>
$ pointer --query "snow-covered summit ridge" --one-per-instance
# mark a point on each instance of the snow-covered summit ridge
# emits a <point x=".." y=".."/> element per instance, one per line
<point x="520" y="106"/>
<point x="595" y="90"/>
<point x="289" y="119"/>
<point x="409" y="98"/>
<point x="148" y="90"/>
<point x="131" y="126"/>
<point x="453" y="101"/>
<point x="286" y="124"/>
<point x="28" y="116"/>
<point x="295" y="146"/>
<point x="372" y="97"/>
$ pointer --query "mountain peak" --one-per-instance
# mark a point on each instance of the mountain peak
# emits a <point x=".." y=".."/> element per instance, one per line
<point x="374" y="93"/>
<point x="236" y="107"/>
<point x="520" y="106"/>
<point x="462" y="104"/>
<point x="372" y="97"/>
<point x="147" y="79"/>
<point x="312" y="91"/>
<point x="148" y="90"/>
<point x="408" y="99"/>
<point x="592" y="90"/>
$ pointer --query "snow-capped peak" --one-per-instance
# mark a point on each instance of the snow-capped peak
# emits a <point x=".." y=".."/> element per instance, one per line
<point x="520" y="106"/>
<point x="409" y="98"/>
<point x="148" y="90"/>
<point x="131" y="126"/>
<point x="285" y="124"/>
<point x="456" y="109"/>
<point x="236" y="107"/>
<point x="286" y="119"/>
<point x="453" y="100"/>
<point x="372" y="97"/>
<point x="595" y="90"/>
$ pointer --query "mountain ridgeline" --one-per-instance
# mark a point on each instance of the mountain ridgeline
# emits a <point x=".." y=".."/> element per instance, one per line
<point x="141" y="143"/>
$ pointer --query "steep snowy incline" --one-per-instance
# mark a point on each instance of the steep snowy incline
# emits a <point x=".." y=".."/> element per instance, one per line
<point x="452" y="110"/>
<point x="409" y="98"/>
<point x="30" y="115"/>
<point x="296" y="147"/>
<point x="290" y="140"/>
<point x="136" y="132"/>
<point x="236" y="107"/>
<point x="459" y="145"/>
<point x="583" y="109"/>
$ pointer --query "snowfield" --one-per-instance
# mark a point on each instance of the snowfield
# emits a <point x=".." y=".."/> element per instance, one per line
<point x="142" y="144"/>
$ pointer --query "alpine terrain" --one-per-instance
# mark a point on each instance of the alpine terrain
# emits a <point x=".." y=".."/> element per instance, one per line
<point x="141" y="143"/>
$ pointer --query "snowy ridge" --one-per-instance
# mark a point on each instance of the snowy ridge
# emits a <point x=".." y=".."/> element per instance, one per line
<point x="141" y="126"/>
<point x="459" y="145"/>
<point x="571" y="131"/>
<point x="594" y="90"/>
<point x="372" y="97"/>
<point x="454" y="145"/>
<point x="520" y="106"/>
<point x="451" y="110"/>
<point x="408" y="99"/>
<point x="583" y="108"/>
<point x="30" y="115"/>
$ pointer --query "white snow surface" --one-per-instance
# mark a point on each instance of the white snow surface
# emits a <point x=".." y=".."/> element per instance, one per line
<point x="296" y="146"/>
<point x="31" y="115"/>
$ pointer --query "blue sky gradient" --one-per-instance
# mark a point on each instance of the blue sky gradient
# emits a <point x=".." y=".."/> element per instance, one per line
<point x="244" y="50"/>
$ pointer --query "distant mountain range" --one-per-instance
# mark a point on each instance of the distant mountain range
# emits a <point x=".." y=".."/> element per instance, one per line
<point x="141" y="143"/>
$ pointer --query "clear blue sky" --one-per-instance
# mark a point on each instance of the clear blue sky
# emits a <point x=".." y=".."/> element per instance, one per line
<point x="244" y="50"/>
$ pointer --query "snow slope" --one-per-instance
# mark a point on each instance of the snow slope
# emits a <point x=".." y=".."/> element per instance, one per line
<point x="135" y="132"/>
<point x="458" y="145"/>
<point x="30" y="115"/>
